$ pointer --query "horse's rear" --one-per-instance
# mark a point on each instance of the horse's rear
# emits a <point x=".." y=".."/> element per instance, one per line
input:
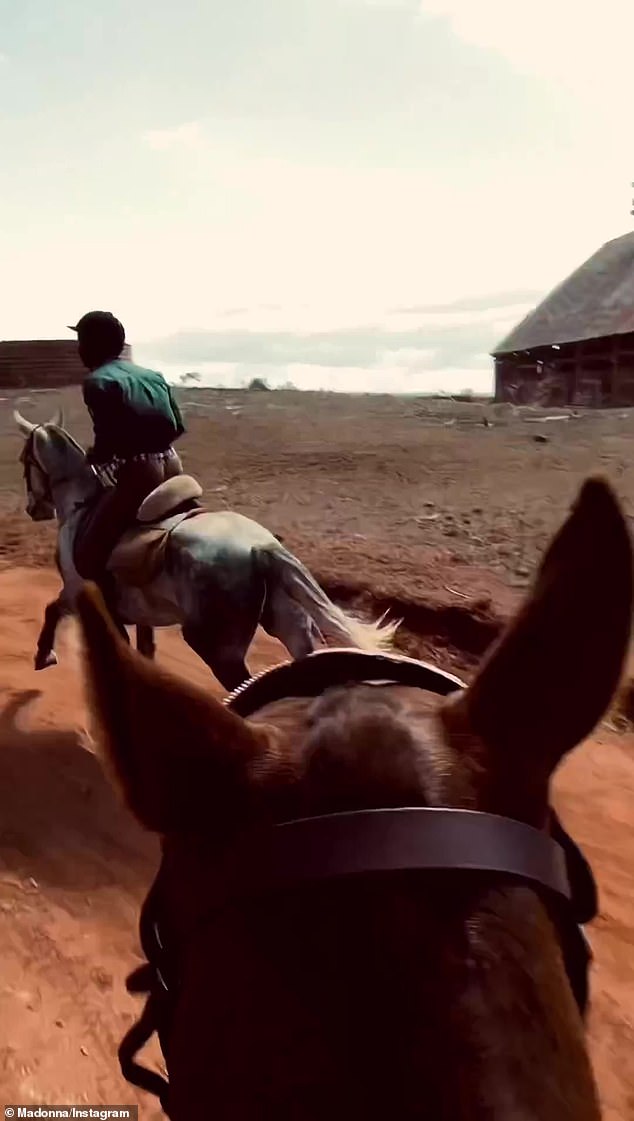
<point x="230" y="574"/>
<point x="211" y="563"/>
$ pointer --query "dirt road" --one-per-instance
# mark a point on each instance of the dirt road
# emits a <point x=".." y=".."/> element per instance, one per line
<point x="73" y="869"/>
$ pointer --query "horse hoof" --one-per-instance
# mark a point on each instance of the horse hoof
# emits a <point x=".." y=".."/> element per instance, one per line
<point x="43" y="661"/>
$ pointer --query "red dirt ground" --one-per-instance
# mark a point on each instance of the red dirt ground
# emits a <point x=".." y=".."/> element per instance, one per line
<point x="389" y="502"/>
<point x="73" y="869"/>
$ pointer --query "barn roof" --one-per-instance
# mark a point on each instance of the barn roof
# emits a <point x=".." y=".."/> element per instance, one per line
<point x="596" y="301"/>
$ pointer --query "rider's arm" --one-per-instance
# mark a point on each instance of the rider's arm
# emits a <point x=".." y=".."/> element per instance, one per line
<point x="178" y="416"/>
<point x="100" y="400"/>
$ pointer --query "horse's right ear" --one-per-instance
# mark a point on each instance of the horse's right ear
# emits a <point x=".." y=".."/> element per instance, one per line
<point x="180" y="756"/>
<point x="548" y="681"/>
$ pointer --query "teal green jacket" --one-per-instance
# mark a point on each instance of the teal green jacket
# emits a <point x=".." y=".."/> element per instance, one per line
<point x="132" y="410"/>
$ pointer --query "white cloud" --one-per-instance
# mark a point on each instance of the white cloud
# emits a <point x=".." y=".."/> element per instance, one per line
<point x="422" y="349"/>
<point x="339" y="241"/>
<point x="181" y="136"/>
<point x="394" y="377"/>
<point x="586" y="47"/>
<point x="389" y="5"/>
<point x="456" y="318"/>
<point x="410" y="357"/>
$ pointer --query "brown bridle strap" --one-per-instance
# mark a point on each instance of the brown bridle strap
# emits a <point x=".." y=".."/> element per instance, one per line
<point x="29" y="461"/>
<point x="386" y="840"/>
<point x="399" y="840"/>
<point x="28" y="454"/>
<point x="329" y="668"/>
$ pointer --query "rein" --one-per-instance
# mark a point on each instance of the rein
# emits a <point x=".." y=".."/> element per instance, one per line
<point x="377" y="841"/>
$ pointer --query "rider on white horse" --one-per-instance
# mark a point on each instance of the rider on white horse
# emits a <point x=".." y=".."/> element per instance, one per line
<point x="136" y="421"/>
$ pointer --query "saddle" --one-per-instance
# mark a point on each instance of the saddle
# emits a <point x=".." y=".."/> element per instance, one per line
<point x="139" y="554"/>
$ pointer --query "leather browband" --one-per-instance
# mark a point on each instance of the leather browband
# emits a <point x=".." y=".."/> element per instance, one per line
<point x="385" y="840"/>
<point x="326" y="669"/>
<point x="402" y="839"/>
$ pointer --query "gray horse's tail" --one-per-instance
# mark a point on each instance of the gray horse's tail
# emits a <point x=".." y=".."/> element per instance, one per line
<point x="286" y="576"/>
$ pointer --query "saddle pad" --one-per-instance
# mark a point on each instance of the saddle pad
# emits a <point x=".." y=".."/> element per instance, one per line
<point x="138" y="556"/>
<point x="140" y="553"/>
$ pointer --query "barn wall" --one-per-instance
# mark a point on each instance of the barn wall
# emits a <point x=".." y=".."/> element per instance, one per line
<point x="41" y="363"/>
<point x="596" y="373"/>
<point x="530" y="382"/>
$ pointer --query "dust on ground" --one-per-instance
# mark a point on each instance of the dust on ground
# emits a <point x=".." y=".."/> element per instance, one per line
<point x="418" y="506"/>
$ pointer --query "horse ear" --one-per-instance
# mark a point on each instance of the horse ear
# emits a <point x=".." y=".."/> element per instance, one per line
<point x="25" y="426"/>
<point x="550" y="678"/>
<point x="180" y="757"/>
<point x="58" y="419"/>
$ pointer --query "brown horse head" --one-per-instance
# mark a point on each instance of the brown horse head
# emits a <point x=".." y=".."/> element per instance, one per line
<point x="440" y="995"/>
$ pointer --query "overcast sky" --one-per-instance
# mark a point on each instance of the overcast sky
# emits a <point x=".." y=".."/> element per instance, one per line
<point x="351" y="193"/>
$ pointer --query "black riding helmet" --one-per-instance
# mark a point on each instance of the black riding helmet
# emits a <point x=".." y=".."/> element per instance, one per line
<point x="100" y="335"/>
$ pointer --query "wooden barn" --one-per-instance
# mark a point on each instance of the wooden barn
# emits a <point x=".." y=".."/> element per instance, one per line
<point x="41" y="363"/>
<point x="577" y="346"/>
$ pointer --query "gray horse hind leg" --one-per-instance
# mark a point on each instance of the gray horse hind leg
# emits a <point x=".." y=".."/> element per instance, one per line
<point x="222" y="649"/>
<point x="223" y="628"/>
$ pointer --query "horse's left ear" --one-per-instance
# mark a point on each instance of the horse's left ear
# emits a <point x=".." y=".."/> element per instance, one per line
<point x="180" y="756"/>
<point x="58" y="419"/>
<point x="26" y="426"/>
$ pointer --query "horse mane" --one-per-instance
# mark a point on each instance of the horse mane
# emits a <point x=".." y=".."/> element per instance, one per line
<point x="55" y="430"/>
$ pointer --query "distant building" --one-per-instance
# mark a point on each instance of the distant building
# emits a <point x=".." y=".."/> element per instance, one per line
<point x="41" y="363"/>
<point x="577" y="346"/>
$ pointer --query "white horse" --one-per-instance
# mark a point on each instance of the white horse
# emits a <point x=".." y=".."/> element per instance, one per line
<point x="217" y="575"/>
